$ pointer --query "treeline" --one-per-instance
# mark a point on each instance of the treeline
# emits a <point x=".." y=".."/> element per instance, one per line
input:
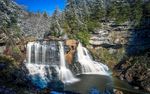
<point x="77" y="20"/>
<point x="81" y="17"/>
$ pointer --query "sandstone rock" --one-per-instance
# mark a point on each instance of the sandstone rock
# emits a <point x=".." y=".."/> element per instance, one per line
<point x="71" y="43"/>
<point x="69" y="57"/>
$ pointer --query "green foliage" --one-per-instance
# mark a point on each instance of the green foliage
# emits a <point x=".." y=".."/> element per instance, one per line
<point x="98" y="11"/>
<point x="109" y="58"/>
<point x="16" y="50"/>
<point x="147" y="9"/>
<point x="56" y="34"/>
<point x="72" y="23"/>
<point x="136" y="11"/>
<point x="10" y="67"/>
<point x="83" y="37"/>
<point x="55" y="27"/>
<point x="45" y="15"/>
<point x="92" y="25"/>
<point x="72" y="18"/>
<point x="16" y="30"/>
<point x="125" y="11"/>
<point x="119" y="11"/>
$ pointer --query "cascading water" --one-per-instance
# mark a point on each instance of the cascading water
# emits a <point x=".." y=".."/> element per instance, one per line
<point x="88" y="66"/>
<point x="65" y="74"/>
<point x="46" y="62"/>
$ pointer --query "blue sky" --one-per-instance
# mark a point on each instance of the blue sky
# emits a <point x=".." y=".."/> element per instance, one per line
<point x="42" y="5"/>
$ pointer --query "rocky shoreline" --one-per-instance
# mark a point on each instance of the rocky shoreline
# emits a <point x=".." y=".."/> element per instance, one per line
<point x="135" y="72"/>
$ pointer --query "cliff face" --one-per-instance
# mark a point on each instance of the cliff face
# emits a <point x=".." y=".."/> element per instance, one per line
<point x="135" y="66"/>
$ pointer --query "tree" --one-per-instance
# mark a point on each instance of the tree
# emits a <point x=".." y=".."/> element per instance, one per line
<point x="56" y="29"/>
<point x="98" y="10"/>
<point x="71" y="16"/>
<point x="119" y="11"/>
<point x="84" y="37"/>
<point x="45" y="14"/>
<point x="9" y="20"/>
<point x="136" y="11"/>
<point x="146" y="8"/>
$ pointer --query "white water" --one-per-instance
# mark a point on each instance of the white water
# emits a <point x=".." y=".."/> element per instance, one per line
<point x="88" y="65"/>
<point x="29" y="45"/>
<point x="65" y="74"/>
<point x="40" y="70"/>
<point x="38" y="74"/>
<point x="43" y="60"/>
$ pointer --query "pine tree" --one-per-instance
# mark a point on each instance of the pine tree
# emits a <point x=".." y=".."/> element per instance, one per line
<point x="56" y="29"/>
<point x="71" y="16"/>
<point x="119" y="11"/>
<point x="98" y="10"/>
<point x="136" y="11"/>
<point x="45" y="14"/>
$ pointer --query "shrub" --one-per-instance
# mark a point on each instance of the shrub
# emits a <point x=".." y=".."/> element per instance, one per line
<point x="105" y="56"/>
<point x="83" y="37"/>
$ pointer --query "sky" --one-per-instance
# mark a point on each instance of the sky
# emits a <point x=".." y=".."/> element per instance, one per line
<point x="42" y="5"/>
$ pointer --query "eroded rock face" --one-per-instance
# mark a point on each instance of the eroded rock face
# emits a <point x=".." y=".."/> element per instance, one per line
<point x="110" y="35"/>
<point x="72" y="44"/>
<point x="99" y="37"/>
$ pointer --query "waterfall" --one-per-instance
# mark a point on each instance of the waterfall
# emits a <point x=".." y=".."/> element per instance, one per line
<point x="65" y="74"/>
<point x="29" y="45"/>
<point x="46" y="63"/>
<point x="89" y="66"/>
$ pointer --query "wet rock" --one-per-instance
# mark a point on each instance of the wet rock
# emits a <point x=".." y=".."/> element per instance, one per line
<point x="136" y="87"/>
<point x="5" y="90"/>
<point x="146" y="84"/>
<point x="118" y="91"/>
<point x="136" y="73"/>
<point x="56" y="85"/>
<point x="69" y="56"/>
<point x="2" y="66"/>
<point x="121" y="77"/>
<point x="129" y="76"/>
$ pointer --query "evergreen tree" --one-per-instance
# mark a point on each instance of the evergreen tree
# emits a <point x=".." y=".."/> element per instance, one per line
<point x="119" y="11"/>
<point x="45" y="14"/>
<point x="146" y="9"/>
<point x="71" y="16"/>
<point x="98" y="10"/>
<point x="136" y="11"/>
<point x="56" y="29"/>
